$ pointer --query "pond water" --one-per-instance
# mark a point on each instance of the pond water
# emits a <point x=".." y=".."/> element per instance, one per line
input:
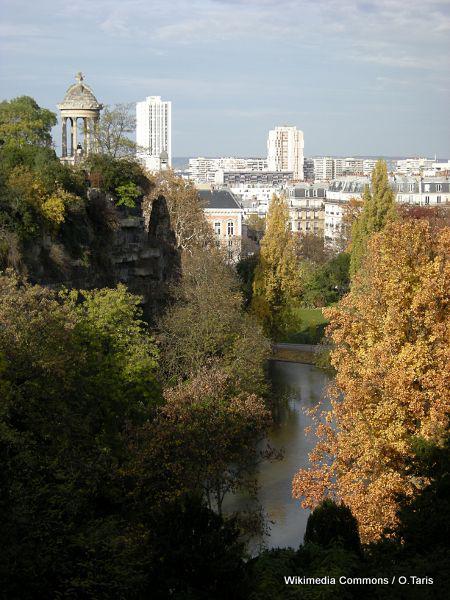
<point x="303" y="386"/>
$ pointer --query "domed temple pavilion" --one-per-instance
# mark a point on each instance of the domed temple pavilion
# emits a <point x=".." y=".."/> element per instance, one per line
<point x="79" y="104"/>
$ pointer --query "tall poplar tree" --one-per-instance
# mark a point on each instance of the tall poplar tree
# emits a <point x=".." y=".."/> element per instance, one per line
<point x="390" y="347"/>
<point x="277" y="280"/>
<point x="378" y="209"/>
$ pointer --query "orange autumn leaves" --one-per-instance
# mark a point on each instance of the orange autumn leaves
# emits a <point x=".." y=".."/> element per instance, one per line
<point x="391" y="353"/>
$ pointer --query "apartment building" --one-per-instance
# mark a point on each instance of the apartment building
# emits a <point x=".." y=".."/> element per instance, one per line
<point x="306" y="207"/>
<point x="204" y="170"/>
<point x="154" y="132"/>
<point x="422" y="191"/>
<point x="285" y="151"/>
<point x="324" y="168"/>
<point x="254" y="178"/>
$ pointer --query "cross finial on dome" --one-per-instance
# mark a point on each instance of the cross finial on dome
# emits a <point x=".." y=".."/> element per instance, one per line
<point x="79" y="77"/>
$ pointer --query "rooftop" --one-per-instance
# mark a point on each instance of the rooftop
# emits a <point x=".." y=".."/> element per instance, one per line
<point x="219" y="199"/>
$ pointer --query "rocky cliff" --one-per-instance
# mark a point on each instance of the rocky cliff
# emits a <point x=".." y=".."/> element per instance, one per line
<point x="101" y="245"/>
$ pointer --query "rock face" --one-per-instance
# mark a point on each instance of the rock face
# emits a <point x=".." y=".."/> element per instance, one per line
<point x="146" y="260"/>
<point x="101" y="245"/>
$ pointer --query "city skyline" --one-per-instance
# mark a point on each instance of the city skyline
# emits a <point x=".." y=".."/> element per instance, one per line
<point x="358" y="78"/>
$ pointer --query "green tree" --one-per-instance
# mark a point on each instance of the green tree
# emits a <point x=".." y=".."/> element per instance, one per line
<point x="378" y="209"/>
<point x="23" y="121"/>
<point x="37" y="195"/>
<point x="331" y="548"/>
<point x="207" y="322"/>
<point x="127" y="194"/>
<point x="203" y="439"/>
<point x="74" y="376"/>
<point x="245" y="269"/>
<point x="327" y="283"/>
<point x="122" y="177"/>
<point x="311" y="247"/>
<point x="277" y="282"/>
<point x="330" y="524"/>
<point x="195" y="554"/>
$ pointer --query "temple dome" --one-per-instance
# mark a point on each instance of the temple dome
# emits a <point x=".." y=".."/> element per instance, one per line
<point x="79" y="96"/>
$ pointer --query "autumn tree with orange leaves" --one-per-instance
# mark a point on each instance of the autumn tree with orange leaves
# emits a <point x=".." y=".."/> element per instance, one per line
<point x="391" y="353"/>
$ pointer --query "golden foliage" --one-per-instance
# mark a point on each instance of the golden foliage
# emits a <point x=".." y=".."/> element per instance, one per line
<point x="30" y="188"/>
<point x="185" y="206"/>
<point x="391" y="353"/>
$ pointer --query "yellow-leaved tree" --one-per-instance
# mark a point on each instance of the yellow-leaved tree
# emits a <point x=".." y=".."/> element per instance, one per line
<point x="277" y="277"/>
<point x="378" y="209"/>
<point x="391" y="353"/>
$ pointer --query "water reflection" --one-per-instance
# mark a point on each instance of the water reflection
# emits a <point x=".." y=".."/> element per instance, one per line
<point x="298" y="386"/>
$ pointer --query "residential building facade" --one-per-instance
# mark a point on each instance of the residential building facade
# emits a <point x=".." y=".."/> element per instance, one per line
<point x="204" y="170"/>
<point x="338" y="195"/>
<point x="422" y="191"/>
<point x="306" y="207"/>
<point x="154" y="132"/>
<point x="254" y="178"/>
<point x="416" y="191"/>
<point x="285" y="147"/>
<point x="324" y="168"/>
<point x="308" y="169"/>
<point x="226" y="216"/>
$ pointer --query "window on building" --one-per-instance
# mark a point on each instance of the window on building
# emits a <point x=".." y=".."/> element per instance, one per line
<point x="230" y="228"/>
<point x="411" y="187"/>
<point x="427" y="199"/>
<point x="438" y="199"/>
<point x="217" y="227"/>
<point x="439" y="187"/>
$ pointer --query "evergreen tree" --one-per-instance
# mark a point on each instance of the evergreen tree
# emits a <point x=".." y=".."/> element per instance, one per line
<point x="378" y="209"/>
<point x="276" y="281"/>
<point x="330" y="524"/>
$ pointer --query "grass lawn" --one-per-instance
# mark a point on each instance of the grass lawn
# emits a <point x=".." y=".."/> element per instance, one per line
<point x="310" y="326"/>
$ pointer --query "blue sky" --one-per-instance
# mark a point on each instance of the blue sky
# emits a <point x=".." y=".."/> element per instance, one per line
<point x="359" y="77"/>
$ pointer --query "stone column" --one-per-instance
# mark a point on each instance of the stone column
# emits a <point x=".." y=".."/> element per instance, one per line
<point x="94" y="134"/>
<point x="74" y="135"/>
<point x="85" y="136"/>
<point x="64" y="137"/>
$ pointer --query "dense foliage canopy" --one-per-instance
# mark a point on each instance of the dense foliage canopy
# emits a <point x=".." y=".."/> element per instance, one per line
<point x="390" y="337"/>
<point x="24" y="122"/>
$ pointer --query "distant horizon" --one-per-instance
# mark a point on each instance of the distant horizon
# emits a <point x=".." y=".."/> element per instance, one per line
<point x="368" y="156"/>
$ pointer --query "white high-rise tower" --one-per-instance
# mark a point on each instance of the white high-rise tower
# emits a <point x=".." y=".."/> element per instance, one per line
<point x="154" y="131"/>
<point x="285" y="150"/>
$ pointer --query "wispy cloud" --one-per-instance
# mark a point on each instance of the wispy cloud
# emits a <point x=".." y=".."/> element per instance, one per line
<point x="324" y="64"/>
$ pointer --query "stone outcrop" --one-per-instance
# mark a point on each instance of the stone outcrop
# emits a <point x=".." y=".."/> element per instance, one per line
<point x="103" y="245"/>
<point x="146" y="258"/>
